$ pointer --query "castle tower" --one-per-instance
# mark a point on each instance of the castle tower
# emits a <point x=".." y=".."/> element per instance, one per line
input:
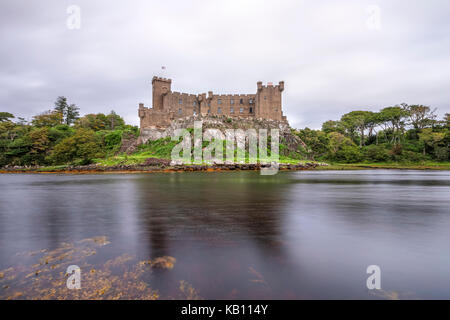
<point x="268" y="101"/>
<point x="161" y="87"/>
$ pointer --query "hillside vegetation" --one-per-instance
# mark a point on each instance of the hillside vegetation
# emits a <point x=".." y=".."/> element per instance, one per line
<point x="402" y="135"/>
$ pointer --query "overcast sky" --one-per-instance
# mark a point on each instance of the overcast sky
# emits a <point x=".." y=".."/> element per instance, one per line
<point x="334" y="56"/>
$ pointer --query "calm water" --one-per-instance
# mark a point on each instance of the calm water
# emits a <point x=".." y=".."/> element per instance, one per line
<point x="241" y="235"/>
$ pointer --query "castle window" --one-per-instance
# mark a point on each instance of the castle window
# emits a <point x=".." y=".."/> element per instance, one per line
<point x="219" y="110"/>
<point x="251" y="110"/>
<point x="180" y="101"/>
<point x="241" y="110"/>
<point x="241" y="101"/>
<point x="209" y="104"/>
<point x="232" y="101"/>
<point x="209" y="110"/>
<point x="180" y="111"/>
<point x="195" y="103"/>
<point x="250" y="101"/>
<point x="265" y="97"/>
<point x="231" y="110"/>
<point x="219" y="101"/>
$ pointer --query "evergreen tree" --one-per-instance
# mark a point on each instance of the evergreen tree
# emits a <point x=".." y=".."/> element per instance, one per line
<point x="72" y="114"/>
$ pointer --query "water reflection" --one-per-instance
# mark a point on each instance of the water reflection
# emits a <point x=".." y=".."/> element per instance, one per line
<point x="242" y="235"/>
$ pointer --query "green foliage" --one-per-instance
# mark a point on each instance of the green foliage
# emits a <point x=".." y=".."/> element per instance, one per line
<point x="113" y="139"/>
<point x="47" y="119"/>
<point x="100" y="121"/>
<point x="377" y="153"/>
<point x="348" y="154"/>
<point x="161" y="148"/>
<point x="6" y="116"/>
<point x="83" y="146"/>
<point x="70" y="112"/>
<point x="401" y="133"/>
<point x="316" y="142"/>
<point x="50" y="138"/>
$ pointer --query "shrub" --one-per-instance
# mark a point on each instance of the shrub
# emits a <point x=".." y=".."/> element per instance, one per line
<point x="376" y="153"/>
<point x="84" y="146"/>
<point x="349" y="154"/>
<point x="441" y="153"/>
<point x="113" y="139"/>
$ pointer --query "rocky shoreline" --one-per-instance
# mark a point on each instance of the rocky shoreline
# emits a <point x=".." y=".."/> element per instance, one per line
<point x="154" y="165"/>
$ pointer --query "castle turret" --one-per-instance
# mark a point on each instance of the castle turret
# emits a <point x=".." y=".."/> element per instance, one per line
<point x="268" y="101"/>
<point x="161" y="87"/>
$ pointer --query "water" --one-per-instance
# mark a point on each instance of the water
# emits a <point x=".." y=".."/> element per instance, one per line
<point x="241" y="235"/>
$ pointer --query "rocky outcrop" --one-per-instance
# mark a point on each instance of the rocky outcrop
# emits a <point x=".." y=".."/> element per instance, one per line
<point x="213" y="122"/>
<point x="222" y="123"/>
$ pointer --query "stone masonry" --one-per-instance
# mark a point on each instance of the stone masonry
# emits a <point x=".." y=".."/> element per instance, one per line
<point x="169" y="105"/>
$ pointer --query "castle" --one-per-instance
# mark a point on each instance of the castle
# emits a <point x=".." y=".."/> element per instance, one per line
<point x="169" y="106"/>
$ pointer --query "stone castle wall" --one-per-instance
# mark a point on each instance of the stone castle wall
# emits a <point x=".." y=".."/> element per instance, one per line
<point x="169" y="106"/>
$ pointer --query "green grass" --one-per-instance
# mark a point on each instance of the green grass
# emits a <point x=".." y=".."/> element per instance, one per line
<point x="423" y="165"/>
<point x="162" y="149"/>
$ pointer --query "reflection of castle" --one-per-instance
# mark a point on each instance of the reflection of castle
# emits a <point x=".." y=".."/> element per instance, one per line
<point x="168" y="105"/>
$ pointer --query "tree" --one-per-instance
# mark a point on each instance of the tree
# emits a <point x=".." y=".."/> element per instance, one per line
<point x="333" y="126"/>
<point x="357" y="121"/>
<point x="94" y="122"/>
<point x="419" y="115"/>
<point x="5" y="116"/>
<point x="84" y="145"/>
<point x="316" y="142"/>
<point x="61" y="106"/>
<point x="446" y="120"/>
<point x="47" y="119"/>
<point x="70" y="112"/>
<point x="337" y="141"/>
<point x="430" y="138"/>
<point x="40" y="143"/>
<point x="114" y="121"/>
<point x="393" y="118"/>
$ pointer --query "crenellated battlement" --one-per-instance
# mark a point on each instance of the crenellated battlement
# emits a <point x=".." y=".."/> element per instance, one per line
<point x="170" y="105"/>
<point x="155" y="78"/>
<point x="279" y="86"/>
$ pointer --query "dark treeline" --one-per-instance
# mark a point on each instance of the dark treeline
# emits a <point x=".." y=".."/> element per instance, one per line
<point x="402" y="133"/>
<point x="60" y="136"/>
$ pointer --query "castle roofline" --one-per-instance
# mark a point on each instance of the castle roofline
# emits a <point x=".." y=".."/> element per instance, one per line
<point x="155" y="78"/>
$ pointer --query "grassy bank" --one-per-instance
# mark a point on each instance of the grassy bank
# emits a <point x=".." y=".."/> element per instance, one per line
<point x="162" y="149"/>
<point x="392" y="165"/>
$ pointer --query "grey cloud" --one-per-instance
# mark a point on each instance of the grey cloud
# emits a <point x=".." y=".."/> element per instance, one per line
<point x="331" y="62"/>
